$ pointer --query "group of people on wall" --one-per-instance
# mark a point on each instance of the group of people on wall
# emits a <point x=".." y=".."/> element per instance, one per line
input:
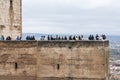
<point x="71" y="37"/>
<point x="8" y="38"/>
<point x="57" y="37"/>
<point x="50" y="37"/>
<point x="97" y="37"/>
<point x="80" y="37"/>
<point x="30" y="37"/>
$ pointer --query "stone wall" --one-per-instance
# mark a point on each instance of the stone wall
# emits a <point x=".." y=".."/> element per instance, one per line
<point x="54" y="60"/>
<point x="10" y="18"/>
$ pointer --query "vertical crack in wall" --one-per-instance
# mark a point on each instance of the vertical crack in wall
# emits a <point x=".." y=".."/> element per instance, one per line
<point x="11" y="15"/>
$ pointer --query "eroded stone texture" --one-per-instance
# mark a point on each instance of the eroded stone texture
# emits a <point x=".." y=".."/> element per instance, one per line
<point x="54" y="60"/>
<point x="10" y="18"/>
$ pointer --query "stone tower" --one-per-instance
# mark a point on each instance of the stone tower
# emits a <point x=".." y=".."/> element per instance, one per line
<point x="11" y="18"/>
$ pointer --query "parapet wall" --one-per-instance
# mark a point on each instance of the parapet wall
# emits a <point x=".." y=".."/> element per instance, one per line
<point x="54" y="60"/>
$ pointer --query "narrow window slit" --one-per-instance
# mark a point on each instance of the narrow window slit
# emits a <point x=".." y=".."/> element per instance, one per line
<point x="11" y="4"/>
<point x="58" y="66"/>
<point x="16" y="65"/>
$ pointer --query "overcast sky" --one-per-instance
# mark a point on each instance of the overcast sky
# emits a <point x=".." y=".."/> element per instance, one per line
<point x="71" y="16"/>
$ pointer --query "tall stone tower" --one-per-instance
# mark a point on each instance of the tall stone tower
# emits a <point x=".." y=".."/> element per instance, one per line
<point x="11" y="18"/>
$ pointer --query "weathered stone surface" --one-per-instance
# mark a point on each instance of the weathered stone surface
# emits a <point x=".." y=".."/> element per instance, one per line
<point x="54" y="60"/>
<point x="10" y="18"/>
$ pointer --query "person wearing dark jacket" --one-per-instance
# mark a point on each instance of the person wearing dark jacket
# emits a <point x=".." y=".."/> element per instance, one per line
<point x="97" y="37"/>
<point x="103" y="36"/>
<point x="8" y="38"/>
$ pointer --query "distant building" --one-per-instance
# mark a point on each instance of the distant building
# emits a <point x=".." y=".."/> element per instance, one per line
<point x="11" y="18"/>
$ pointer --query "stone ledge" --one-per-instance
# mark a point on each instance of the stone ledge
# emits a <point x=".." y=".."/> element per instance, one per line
<point x="73" y="43"/>
<point x="45" y="78"/>
<point x="69" y="78"/>
<point x="56" y="43"/>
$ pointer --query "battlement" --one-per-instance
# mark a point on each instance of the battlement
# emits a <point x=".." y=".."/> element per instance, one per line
<point x="54" y="60"/>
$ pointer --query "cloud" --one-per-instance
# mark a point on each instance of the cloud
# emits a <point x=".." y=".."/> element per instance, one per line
<point x="71" y="16"/>
<point x="83" y="4"/>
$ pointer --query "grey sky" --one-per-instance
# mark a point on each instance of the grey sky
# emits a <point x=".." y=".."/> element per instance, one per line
<point x="71" y="16"/>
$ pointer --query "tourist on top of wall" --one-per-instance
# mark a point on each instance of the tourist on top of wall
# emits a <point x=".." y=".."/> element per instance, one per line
<point x="102" y="37"/>
<point x="30" y="37"/>
<point x="42" y="38"/>
<point x="8" y="38"/>
<point x="97" y="37"/>
<point x="18" y="38"/>
<point x="91" y="37"/>
<point x="1" y="37"/>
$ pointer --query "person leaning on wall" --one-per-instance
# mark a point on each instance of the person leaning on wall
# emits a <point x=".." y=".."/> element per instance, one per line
<point x="1" y="37"/>
<point x="18" y="38"/>
<point x="8" y="38"/>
